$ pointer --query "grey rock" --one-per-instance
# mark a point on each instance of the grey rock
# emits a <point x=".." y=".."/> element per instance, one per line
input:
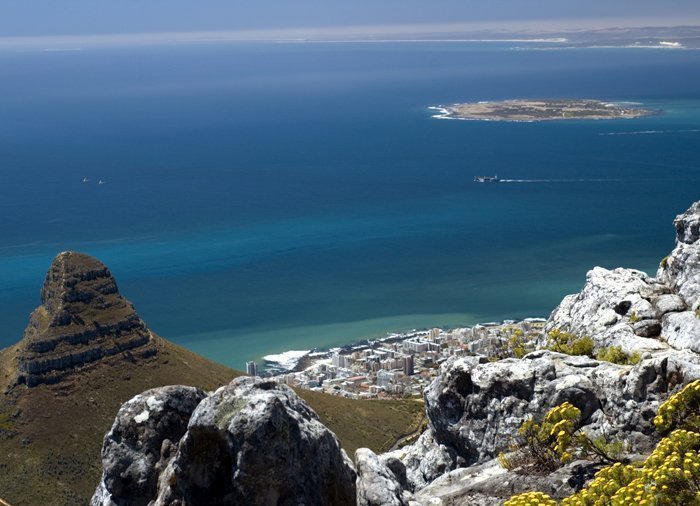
<point x="475" y="408"/>
<point x="647" y="328"/>
<point x="490" y="484"/>
<point x="132" y="451"/>
<point x="251" y="442"/>
<point x="681" y="269"/>
<point x="682" y="330"/>
<point x="607" y="308"/>
<point x="669" y="303"/>
<point x="377" y="485"/>
<point x="425" y="460"/>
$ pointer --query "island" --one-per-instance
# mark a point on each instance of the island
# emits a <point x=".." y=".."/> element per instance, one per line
<point x="540" y="110"/>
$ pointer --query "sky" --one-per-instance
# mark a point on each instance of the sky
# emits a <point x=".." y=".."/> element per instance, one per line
<point x="31" y="18"/>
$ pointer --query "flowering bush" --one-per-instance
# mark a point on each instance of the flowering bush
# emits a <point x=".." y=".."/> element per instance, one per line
<point x="669" y="476"/>
<point x="545" y="447"/>
<point x="530" y="499"/>
<point x="681" y="410"/>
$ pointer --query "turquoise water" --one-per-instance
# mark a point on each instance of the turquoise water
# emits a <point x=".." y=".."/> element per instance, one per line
<point x="265" y="197"/>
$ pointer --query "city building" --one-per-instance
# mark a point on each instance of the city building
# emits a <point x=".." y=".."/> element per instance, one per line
<point x="251" y="368"/>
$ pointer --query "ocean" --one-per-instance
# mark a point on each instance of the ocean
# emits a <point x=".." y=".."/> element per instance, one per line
<point x="263" y="197"/>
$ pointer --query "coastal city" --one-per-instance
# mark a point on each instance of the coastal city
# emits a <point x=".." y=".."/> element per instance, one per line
<point x="400" y="365"/>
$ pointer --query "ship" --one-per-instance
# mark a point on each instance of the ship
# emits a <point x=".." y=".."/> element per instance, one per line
<point x="486" y="179"/>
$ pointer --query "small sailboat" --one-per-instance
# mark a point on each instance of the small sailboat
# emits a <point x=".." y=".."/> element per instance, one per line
<point x="100" y="182"/>
<point x="85" y="180"/>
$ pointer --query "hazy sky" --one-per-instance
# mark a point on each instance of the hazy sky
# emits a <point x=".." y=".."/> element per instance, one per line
<point x="74" y="17"/>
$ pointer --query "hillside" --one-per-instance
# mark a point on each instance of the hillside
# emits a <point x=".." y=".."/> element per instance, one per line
<point x="85" y="353"/>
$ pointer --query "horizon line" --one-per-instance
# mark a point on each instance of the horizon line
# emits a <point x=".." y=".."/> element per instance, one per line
<point x="525" y="31"/>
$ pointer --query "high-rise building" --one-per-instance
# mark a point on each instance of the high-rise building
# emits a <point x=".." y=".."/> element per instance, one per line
<point x="408" y="365"/>
<point x="339" y="360"/>
<point x="251" y="369"/>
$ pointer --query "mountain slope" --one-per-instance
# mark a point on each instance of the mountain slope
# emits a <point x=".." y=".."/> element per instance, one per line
<point x="85" y="352"/>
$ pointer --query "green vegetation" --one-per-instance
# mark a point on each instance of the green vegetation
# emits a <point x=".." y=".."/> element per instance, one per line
<point x="669" y="476"/>
<point x="615" y="355"/>
<point x="681" y="410"/>
<point x="519" y="344"/>
<point x="530" y="499"/>
<point x="544" y="447"/>
<point x="571" y="344"/>
<point x="664" y="262"/>
<point x="634" y="318"/>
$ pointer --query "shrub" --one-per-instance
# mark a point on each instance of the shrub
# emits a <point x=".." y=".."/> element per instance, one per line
<point x="564" y="342"/>
<point x="519" y="344"/>
<point x="664" y="262"/>
<point x="681" y="410"/>
<point x="615" y="355"/>
<point x="531" y="499"/>
<point x="634" y="318"/>
<point x="545" y="447"/>
<point x="669" y="476"/>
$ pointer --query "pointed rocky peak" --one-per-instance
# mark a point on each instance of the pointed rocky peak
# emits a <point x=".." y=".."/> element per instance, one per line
<point x="76" y="278"/>
<point x="82" y="319"/>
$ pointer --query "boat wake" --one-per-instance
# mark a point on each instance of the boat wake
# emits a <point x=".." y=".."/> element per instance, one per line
<point x="589" y="180"/>
<point x="652" y="132"/>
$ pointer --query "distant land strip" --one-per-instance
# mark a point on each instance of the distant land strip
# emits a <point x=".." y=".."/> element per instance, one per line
<point x="540" y="110"/>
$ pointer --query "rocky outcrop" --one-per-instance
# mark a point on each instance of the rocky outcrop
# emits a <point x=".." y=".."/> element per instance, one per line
<point x="475" y="407"/>
<point x="141" y="442"/>
<point x="681" y="269"/>
<point x="82" y="319"/>
<point x="490" y="485"/>
<point x="251" y="442"/>
<point x="627" y="308"/>
<point x="379" y="484"/>
<point x="616" y="308"/>
<point x="426" y="460"/>
<point x="255" y="442"/>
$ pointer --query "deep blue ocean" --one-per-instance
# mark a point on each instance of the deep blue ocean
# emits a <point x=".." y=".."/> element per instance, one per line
<point x="263" y="197"/>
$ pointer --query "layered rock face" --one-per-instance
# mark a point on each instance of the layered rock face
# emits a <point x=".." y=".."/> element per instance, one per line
<point x="251" y="442"/>
<point x="82" y="319"/>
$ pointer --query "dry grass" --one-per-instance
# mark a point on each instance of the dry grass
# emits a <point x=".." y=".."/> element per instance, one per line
<point x="51" y="436"/>
<point x="374" y="424"/>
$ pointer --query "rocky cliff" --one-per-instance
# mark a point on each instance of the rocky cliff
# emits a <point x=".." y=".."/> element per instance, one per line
<point x="251" y="442"/>
<point x="474" y="409"/>
<point x="475" y="406"/>
<point x="83" y="354"/>
<point x="82" y="319"/>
